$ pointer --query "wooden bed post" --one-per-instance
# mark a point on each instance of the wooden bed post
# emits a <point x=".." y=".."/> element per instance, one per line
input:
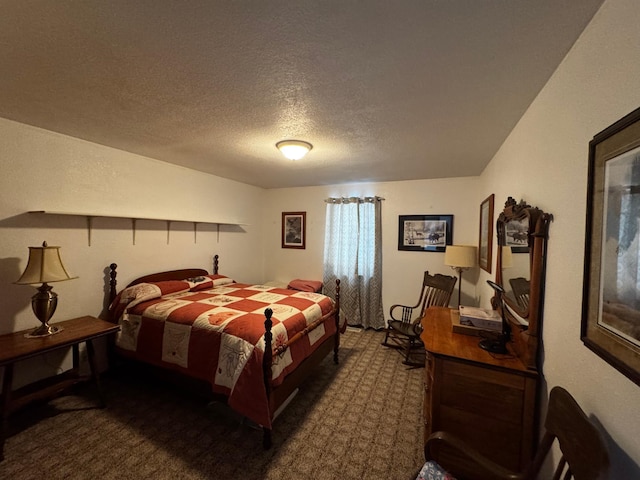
<point x="266" y="370"/>
<point x="112" y="283"/>
<point x="215" y="264"/>
<point x="336" y="346"/>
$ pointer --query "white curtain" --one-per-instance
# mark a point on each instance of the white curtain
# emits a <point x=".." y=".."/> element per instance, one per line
<point x="353" y="253"/>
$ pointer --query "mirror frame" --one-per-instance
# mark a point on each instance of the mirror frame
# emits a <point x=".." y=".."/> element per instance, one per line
<point x="525" y="338"/>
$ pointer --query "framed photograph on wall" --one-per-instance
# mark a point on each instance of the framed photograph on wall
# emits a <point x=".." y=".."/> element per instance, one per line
<point x="425" y="233"/>
<point x="611" y="291"/>
<point x="294" y="229"/>
<point x="485" y="242"/>
<point x="516" y="235"/>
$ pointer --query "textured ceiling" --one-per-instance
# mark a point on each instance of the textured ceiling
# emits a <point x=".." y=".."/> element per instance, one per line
<point x="384" y="90"/>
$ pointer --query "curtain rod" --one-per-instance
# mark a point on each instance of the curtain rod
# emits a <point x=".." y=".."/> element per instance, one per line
<point x="352" y="199"/>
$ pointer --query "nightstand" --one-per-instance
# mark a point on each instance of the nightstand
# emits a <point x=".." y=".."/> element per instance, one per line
<point x="15" y="347"/>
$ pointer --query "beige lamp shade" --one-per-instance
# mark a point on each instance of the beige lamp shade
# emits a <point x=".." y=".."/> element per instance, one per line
<point x="507" y="257"/>
<point x="461" y="256"/>
<point x="44" y="266"/>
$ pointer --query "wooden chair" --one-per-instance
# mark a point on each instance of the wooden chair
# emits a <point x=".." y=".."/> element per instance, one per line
<point x="520" y="287"/>
<point x="583" y="451"/>
<point x="404" y="328"/>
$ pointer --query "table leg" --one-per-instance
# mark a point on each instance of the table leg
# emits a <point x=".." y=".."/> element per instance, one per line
<point x="7" y="386"/>
<point x="91" y="355"/>
<point x="76" y="356"/>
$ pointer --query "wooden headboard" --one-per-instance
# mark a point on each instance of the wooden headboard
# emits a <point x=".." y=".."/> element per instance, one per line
<point x="180" y="274"/>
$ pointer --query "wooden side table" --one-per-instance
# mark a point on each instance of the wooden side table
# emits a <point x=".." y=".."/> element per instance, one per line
<point x="15" y="347"/>
<point x="489" y="401"/>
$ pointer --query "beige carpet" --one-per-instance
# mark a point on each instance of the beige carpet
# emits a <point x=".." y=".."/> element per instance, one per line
<point x="359" y="419"/>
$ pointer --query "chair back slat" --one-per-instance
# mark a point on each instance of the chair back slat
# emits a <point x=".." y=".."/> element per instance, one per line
<point x="520" y="287"/>
<point x="584" y="453"/>
<point x="436" y="290"/>
<point x="580" y="441"/>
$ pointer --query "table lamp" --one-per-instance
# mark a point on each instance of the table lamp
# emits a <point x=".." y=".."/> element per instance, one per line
<point x="460" y="258"/>
<point x="44" y="266"/>
<point x="507" y="257"/>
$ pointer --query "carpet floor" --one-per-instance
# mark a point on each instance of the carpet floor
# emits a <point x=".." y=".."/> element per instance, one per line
<point x="359" y="419"/>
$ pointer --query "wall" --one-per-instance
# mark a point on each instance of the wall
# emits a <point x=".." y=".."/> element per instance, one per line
<point x="544" y="161"/>
<point x="42" y="170"/>
<point x="402" y="270"/>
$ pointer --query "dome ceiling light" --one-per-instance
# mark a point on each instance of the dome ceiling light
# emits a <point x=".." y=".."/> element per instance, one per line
<point x="294" y="149"/>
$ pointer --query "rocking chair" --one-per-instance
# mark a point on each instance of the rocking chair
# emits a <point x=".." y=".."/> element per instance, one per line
<point x="404" y="328"/>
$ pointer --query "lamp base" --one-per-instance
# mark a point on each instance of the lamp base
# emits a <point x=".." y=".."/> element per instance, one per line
<point x="44" y="330"/>
<point x="44" y="305"/>
<point x="494" y="345"/>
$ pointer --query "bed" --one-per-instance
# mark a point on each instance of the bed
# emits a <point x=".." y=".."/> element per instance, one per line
<point x="248" y="345"/>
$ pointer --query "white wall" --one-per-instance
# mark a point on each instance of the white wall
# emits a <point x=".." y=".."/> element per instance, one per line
<point x="544" y="161"/>
<point x="402" y="270"/>
<point x="42" y="170"/>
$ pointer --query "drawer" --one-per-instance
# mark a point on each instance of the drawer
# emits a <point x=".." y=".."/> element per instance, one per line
<point x="484" y="393"/>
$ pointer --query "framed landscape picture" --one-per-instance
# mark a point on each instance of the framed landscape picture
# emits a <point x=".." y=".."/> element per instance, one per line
<point x="611" y="291"/>
<point x="294" y="229"/>
<point x="425" y="233"/>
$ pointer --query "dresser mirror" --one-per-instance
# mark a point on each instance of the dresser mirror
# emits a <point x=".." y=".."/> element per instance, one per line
<point x="522" y="234"/>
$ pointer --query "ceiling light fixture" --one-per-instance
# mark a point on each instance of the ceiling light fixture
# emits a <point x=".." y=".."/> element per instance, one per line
<point x="294" y="149"/>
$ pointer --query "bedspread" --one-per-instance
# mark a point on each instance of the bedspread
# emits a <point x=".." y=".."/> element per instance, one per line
<point x="212" y="328"/>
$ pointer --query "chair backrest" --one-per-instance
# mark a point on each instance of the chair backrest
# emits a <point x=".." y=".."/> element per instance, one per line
<point x="584" y="452"/>
<point x="436" y="291"/>
<point x="520" y="287"/>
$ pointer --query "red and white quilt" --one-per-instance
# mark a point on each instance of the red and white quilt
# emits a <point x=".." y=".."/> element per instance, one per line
<point x="212" y="328"/>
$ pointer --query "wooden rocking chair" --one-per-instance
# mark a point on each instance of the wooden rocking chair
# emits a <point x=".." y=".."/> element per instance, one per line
<point x="404" y="328"/>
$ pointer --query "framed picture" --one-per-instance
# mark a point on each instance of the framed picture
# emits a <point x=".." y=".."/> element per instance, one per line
<point x="485" y="242"/>
<point x="425" y="233"/>
<point x="294" y="229"/>
<point x="516" y="235"/>
<point x="611" y="292"/>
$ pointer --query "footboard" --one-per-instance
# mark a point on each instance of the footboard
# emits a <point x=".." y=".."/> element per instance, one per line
<point x="292" y="382"/>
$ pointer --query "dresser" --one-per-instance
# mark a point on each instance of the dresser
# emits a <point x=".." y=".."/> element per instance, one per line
<point x="487" y="400"/>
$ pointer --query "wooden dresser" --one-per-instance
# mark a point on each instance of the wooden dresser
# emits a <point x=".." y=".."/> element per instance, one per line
<point x="487" y="400"/>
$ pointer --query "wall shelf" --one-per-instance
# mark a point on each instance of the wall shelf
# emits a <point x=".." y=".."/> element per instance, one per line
<point x="134" y="220"/>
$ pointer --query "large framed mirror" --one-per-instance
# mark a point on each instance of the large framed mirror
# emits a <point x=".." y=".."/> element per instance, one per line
<point x="522" y="232"/>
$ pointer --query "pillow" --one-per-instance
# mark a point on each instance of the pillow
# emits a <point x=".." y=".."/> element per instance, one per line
<point x="220" y="280"/>
<point x="199" y="283"/>
<point x="305" y="285"/>
<point x="206" y="282"/>
<point x="141" y="292"/>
